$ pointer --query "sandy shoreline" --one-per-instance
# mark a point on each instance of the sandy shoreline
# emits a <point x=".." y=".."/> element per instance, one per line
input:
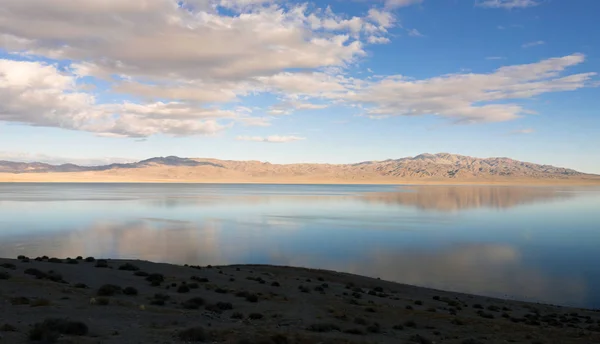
<point x="85" y="177"/>
<point x="260" y="304"/>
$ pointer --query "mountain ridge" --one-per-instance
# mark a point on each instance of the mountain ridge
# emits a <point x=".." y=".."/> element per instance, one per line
<point x="439" y="166"/>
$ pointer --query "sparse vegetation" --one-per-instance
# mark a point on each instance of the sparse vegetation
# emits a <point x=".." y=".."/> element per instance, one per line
<point x="417" y="338"/>
<point x="323" y="327"/>
<point x="40" y="302"/>
<point x="19" y="300"/>
<point x="410" y="323"/>
<point x="183" y="289"/>
<point x="102" y="301"/>
<point x="9" y="266"/>
<point x="109" y="290"/>
<point x="130" y="291"/>
<point x="129" y="267"/>
<point x="255" y="316"/>
<point x="141" y="274"/>
<point x="237" y="315"/>
<point x="50" y="330"/>
<point x="155" y="279"/>
<point x="8" y="328"/>
<point x="193" y="303"/>
<point x="102" y="263"/>
<point x="193" y="334"/>
<point x="4" y="275"/>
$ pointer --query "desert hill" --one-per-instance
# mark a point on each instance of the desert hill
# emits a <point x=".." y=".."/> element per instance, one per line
<point x="442" y="167"/>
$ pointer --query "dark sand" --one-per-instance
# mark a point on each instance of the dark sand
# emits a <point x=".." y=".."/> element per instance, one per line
<point x="308" y="306"/>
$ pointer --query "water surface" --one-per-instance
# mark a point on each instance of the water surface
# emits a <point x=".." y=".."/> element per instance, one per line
<point x="530" y="243"/>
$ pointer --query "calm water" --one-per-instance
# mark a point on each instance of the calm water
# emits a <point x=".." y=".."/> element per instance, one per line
<point x="530" y="243"/>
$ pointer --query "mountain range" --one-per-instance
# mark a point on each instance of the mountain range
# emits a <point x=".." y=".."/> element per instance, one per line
<point x="439" y="167"/>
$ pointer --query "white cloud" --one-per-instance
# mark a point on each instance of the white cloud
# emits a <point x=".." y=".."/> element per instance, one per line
<point x="508" y="4"/>
<point x="523" y="131"/>
<point x="533" y="44"/>
<point x="495" y="58"/>
<point x="414" y="33"/>
<point x="270" y="139"/>
<point x="401" y="3"/>
<point x="187" y="69"/>
<point x="378" y="40"/>
<point x="469" y="98"/>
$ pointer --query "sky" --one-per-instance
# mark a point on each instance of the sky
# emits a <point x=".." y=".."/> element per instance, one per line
<point x="285" y="81"/>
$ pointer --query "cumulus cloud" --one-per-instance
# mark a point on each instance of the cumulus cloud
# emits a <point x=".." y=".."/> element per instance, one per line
<point x="533" y="44"/>
<point x="186" y="67"/>
<point x="508" y="4"/>
<point x="469" y="97"/>
<point x="270" y="139"/>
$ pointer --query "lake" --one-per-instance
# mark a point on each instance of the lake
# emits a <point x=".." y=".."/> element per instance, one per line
<point x="537" y="244"/>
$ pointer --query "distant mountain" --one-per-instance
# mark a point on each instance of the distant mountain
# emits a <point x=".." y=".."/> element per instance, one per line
<point x="36" y="167"/>
<point x="439" y="167"/>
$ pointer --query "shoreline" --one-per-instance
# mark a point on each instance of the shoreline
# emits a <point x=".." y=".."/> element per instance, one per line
<point x="82" y="179"/>
<point x="265" y="304"/>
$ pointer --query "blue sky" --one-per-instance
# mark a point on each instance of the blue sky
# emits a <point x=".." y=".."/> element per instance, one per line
<point x="284" y="81"/>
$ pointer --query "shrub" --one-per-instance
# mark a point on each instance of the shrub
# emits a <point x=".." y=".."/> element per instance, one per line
<point x="224" y="306"/>
<point x="409" y="307"/>
<point x="410" y="323"/>
<point x="102" y="263"/>
<point x="417" y="338"/>
<point x="4" y="275"/>
<point x="221" y="291"/>
<point x="55" y="260"/>
<point x="375" y="328"/>
<point x="141" y="274"/>
<point x="457" y="322"/>
<point x="40" y="303"/>
<point x="213" y="308"/>
<point x="21" y="257"/>
<point x="275" y="284"/>
<point x="109" y="290"/>
<point x="79" y="258"/>
<point x="130" y="291"/>
<point x="199" y="279"/>
<point x="398" y="327"/>
<point x="90" y="259"/>
<point x="419" y="303"/>
<point x="485" y="315"/>
<point x="194" y="285"/>
<point x="19" y="300"/>
<point x="237" y="315"/>
<point x="8" y="328"/>
<point x="155" y="279"/>
<point x="157" y="302"/>
<point x="50" y="330"/>
<point x="493" y="308"/>
<point x="323" y="327"/>
<point x="183" y="289"/>
<point x="477" y="306"/>
<point x="72" y="261"/>
<point x="372" y="293"/>
<point x="252" y="298"/>
<point x="255" y="316"/>
<point x="193" y="303"/>
<point x="102" y="301"/>
<point x="193" y="334"/>
<point x="304" y="289"/>
<point x="355" y="331"/>
<point x="80" y="285"/>
<point x="35" y="272"/>
<point x="128" y="267"/>
<point x="10" y="266"/>
<point x="361" y="321"/>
